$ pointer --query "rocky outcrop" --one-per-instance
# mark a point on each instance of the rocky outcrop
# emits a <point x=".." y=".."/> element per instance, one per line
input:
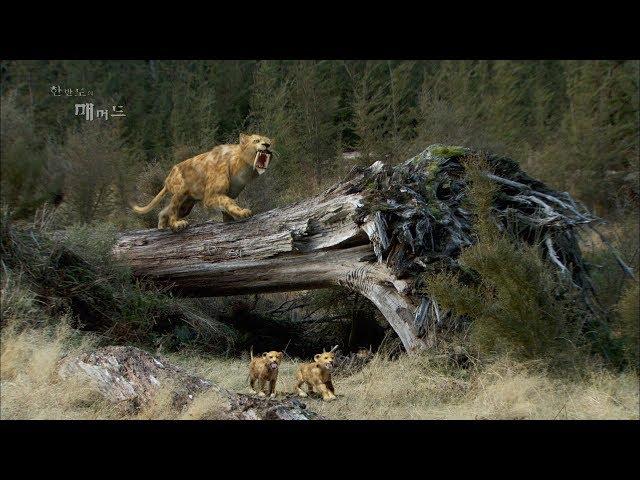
<point x="131" y="378"/>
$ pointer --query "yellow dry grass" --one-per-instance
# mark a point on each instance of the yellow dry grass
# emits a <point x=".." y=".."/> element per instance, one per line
<point x="30" y="387"/>
<point x="420" y="387"/>
<point x="411" y="387"/>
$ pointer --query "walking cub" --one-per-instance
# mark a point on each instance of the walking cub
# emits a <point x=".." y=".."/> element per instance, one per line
<point x="317" y="376"/>
<point x="263" y="370"/>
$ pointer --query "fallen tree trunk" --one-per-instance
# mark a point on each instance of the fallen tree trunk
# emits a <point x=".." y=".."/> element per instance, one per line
<point x="375" y="232"/>
<point x="311" y="244"/>
<point x="131" y="378"/>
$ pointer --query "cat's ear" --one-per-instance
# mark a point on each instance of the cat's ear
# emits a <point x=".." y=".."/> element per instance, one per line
<point x="244" y="138"/>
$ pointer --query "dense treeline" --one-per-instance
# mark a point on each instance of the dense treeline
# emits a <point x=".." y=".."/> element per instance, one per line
<point x="573" y="124"/>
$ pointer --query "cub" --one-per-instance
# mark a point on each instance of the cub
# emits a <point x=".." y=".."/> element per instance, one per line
<point x="263" y="370"/>
<point x="317" y="375"/>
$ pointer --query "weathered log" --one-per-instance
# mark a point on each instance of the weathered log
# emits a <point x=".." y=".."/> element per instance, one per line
<point x="131" y="378"/>
<point x="312" y="244"/>
<point x="375" y="232"/>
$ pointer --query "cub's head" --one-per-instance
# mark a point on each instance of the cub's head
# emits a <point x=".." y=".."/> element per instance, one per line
<point x="255" y="149"/>
<point x="325" y="360"/>
<point x="273" y="359"/>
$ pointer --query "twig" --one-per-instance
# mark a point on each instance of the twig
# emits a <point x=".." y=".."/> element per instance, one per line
<point x="625" y="268"/>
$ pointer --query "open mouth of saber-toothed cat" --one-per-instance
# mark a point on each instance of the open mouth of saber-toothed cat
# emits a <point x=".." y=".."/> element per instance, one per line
<point x="261" y="162"/>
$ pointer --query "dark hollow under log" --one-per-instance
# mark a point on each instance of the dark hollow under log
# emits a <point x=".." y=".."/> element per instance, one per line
<point x="373" y="232"/>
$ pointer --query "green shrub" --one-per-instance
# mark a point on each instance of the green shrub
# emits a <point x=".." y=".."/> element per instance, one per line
<point x="47" y="277"/>
<point x="516" y="305"/>
<point x="628" y="309"/>
<point x="22" y="165"/>
<point x="624" y="236"/>
<point x="512" y="296"/>
<point x="18" y="304"/>
<point x="94" y="165"/>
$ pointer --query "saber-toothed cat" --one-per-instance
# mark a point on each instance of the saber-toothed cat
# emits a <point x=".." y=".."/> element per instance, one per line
<point x="216" y="178"/>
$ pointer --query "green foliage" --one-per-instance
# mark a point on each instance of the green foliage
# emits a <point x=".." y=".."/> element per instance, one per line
<point x="514" y="300"/>
<point x="628" y="309"/>
<point x="573" y="124"/>
<point x="482" y="192"/>
<point x="612" y="285"/>
<point x="22" y="161"/>
<point x="597" y="136"/>
<point x="46" y="279"/>
<point x="93" y="162"/>
<point x="19" y="304"/>
<point x="194" y="114"/>
<point x="82" y="276"/>
<point x="448" y="151"/>
<point x="294" y="103"/>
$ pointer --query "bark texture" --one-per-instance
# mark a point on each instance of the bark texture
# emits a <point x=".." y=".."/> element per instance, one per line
<point x="377" y="232"/>
<point x="317" y="243"/>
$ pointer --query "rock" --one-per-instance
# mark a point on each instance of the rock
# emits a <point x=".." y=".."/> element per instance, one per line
<point x="131" y="377"/>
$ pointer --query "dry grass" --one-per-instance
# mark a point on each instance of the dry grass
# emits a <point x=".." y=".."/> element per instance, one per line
<point x="418" y="387"/>
<point x="421" y="387"/>
<point x="30" y="387"/>
<point x="410" y="389"/>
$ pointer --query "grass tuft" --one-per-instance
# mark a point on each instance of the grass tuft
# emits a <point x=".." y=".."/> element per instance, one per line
<point x="426" y="386"/>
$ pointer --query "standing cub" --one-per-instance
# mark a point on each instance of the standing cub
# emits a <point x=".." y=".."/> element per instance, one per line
<point x="263" y="370"/>
<point x="317" y="376"/>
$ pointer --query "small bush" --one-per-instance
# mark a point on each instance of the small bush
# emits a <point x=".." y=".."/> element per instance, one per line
<point x="18" y="304"/>
<point x="608" y="278"/>
<point x="513" y="298"/>
<point x="612" y="287"/>
<point x="46" y="277"/>
<point x="628" y="325"/>
<point x="516" y="306"/>
<point x="24" y="187"/>
<point x="94" y="165"/>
